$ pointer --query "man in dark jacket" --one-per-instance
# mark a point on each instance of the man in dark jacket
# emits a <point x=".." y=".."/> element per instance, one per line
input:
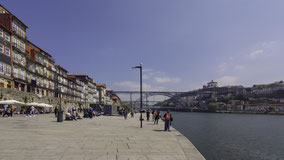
<point x="168" y="118"/>
<point x="148" y="114"/>
<point x="91" y="112"/>
<point x="55" y="111"/>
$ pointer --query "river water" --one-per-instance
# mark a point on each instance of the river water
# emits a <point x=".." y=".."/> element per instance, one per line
<point x="233" y="136"/>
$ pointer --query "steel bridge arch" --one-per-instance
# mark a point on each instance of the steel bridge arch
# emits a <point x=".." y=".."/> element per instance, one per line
<point x="176" y="97"/>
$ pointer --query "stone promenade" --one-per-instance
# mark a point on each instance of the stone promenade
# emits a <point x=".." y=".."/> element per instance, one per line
<point x="100" y="138"/>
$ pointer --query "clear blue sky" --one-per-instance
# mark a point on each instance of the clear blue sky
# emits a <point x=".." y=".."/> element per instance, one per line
<point x="182" y="43"/>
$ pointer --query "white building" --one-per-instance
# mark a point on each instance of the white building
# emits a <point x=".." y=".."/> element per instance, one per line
<point x="211" y="84"/>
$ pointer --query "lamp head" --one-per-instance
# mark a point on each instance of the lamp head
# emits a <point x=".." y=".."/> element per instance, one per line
<point x="136" y="67"/>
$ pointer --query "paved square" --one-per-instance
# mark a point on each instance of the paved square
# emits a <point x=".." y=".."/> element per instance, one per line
<point x="100" y="138"/>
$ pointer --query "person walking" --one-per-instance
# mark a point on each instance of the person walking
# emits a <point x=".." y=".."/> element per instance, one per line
<point x="132" y="113"/>
<point x="28" y="112"/>
<point x="91" y="110"/>
<point x="74" y="110"/>
<point x="5" y="111"/>
<point x="32" y="111"/>
<point x="125" y="113"/>
<point x="153" y="116"/>
<point x="55" y="111"/>
<point x="168" y="118"/>
<point x="157" y="117"/>
<point x="148" y="114"/>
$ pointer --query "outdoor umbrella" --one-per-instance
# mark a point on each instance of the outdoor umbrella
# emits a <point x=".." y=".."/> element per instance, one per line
<point x="35" y="104"/>
<point x="12" y="102"/>
<point x="39" y="105"/>
<point x="46" y="105"/>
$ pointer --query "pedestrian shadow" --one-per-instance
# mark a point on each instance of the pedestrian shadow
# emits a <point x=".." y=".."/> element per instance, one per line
<point x="150" y="124"/>
<point x="159" y="130"/>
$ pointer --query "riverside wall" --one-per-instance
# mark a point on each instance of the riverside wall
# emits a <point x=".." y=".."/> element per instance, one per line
<point x="8" y="94"/>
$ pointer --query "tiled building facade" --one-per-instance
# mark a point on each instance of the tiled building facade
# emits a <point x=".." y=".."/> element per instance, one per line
<point x="28" y="68"/>
<point x="6" y="79"/>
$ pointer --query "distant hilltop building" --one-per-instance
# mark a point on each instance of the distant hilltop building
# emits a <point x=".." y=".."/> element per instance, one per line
<point x="211" y="84"/>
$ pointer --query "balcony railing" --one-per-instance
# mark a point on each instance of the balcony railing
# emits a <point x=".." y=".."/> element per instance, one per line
<point x="22" y="49"/>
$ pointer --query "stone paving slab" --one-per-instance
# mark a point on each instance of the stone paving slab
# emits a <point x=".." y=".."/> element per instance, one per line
<point x="100" y="138"/>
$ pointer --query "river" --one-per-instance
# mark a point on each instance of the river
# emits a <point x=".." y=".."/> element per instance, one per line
<point x="233" y="136"/>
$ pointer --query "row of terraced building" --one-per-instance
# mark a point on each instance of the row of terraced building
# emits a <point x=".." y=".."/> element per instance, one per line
<point x="25" y="67"/>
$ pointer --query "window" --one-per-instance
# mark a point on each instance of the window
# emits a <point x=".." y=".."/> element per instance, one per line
<point x="2" y="67"/>
<point x="1" y="32"/>
<point x="7" y="51"/>
<point x="14" y="27"/>
<point x="8" y="69"/>
<point x="15" y="41"/>
<point x="7" y="36"/>
<point x="22" y="46"/>
<point x="22" y="60"/>
<point x="15" y="57"/>
<point x="1" y="48"/>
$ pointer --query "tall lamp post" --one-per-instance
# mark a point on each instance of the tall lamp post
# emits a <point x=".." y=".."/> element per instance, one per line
<point x="140" y="66"/>
<point x="59" y="93"/>
<point x="60" y="110"/>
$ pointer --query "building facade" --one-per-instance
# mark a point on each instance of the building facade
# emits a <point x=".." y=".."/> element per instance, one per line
<point x="25" y="67"/>
<point x="89" y="94"/>
<point x="6" y="80"/>
<point x="102" y="93"/>
<point x="40" y="71"/>
<point x="17" y="50"/>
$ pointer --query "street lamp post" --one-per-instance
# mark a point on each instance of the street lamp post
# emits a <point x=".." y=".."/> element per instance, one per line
<point x="140" y="67"/>
<point x="60" y="111"/>
<point x="85" y="101"/>
<point x="59" y="93"/>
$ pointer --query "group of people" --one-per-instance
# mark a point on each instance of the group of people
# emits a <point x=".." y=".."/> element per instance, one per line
<point x="6" y="110"/>
<point x="125" y="113"/>
<point x="156" y="116"/>
<point x="71" y="114"/>
<point x="30" y="111"/>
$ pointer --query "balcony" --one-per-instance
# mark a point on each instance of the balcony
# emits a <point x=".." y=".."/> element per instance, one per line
<point x="18" y="47"/>
<point x="18" y="33"/>
<point x="15" y="75"/>
<point x="7" y="43"/>
<point x="22" y="77"/>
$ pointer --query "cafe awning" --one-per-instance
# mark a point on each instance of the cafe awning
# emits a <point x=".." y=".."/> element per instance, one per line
<point x="12" y="102"/>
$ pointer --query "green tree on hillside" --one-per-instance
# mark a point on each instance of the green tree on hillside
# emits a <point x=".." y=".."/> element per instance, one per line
<point x="212" y="107"/>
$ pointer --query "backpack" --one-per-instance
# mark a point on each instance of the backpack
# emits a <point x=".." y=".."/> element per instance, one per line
<point x="168" y="116"/>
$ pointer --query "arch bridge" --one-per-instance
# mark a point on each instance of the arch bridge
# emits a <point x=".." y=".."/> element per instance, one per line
<point x="176" y="96"/>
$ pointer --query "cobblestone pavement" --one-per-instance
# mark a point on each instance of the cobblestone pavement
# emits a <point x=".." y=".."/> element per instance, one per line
<point x="100" y="138"/>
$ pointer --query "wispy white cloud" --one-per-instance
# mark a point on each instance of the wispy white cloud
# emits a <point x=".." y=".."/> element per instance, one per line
<point x="147" y="70"/>
<point x="256" y="53"/>
<point x="167" y="80"/>
<point x="196" y="85"/>
<point x="269" y="44"/>
<point x="135" y="86"/>
<point x="152" y="75"/>
<point x="227" y="80"/>
<point x="222" y="67"/>
<point x="239" y="67"/>
<point x="147" y="75"/>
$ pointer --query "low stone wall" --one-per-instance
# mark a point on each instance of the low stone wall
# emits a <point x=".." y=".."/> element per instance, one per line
<point x="8" y="94"/>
